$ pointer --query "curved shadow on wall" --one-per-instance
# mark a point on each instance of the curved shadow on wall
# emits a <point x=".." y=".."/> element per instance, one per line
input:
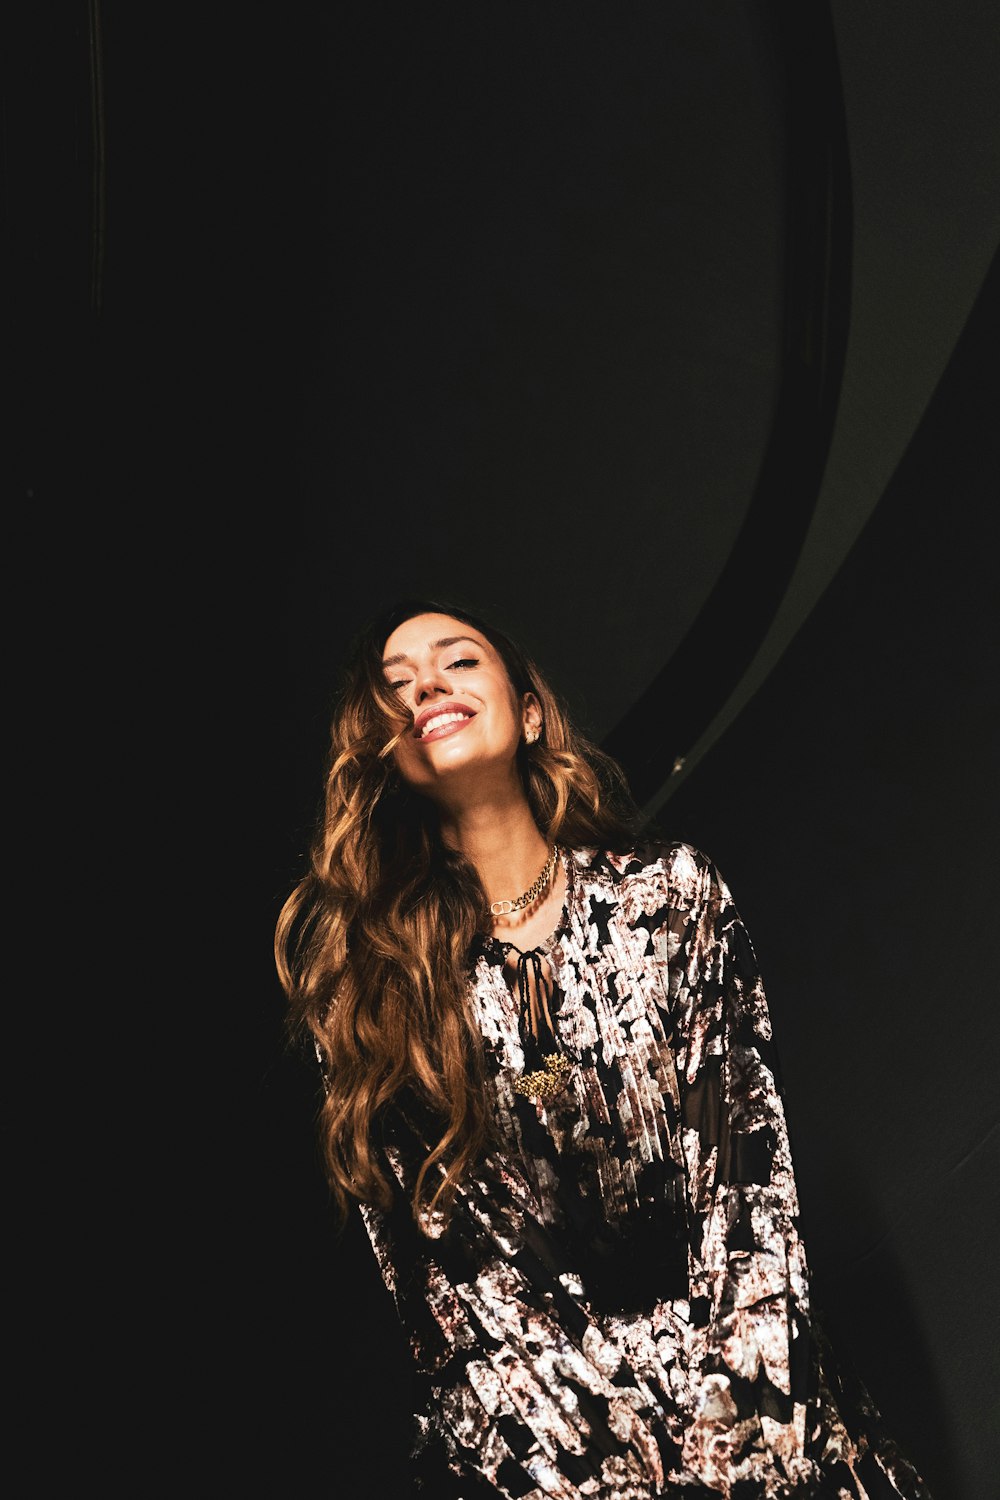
<point x="725" y="635"/>
<point x="871" y="1317"/>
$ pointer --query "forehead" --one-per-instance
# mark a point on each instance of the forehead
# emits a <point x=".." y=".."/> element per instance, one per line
<point x="420" y="634"/>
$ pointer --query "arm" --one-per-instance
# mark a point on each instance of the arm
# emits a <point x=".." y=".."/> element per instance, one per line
<point x="748" y="1273"/>
<point x="768" y="1395"/>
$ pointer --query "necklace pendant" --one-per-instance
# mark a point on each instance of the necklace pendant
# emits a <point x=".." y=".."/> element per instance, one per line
<point x="501" y="908"/>
<point x="545" y="1083"/>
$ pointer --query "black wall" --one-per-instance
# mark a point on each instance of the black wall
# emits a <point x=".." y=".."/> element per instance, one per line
<point x="310" y="307"/>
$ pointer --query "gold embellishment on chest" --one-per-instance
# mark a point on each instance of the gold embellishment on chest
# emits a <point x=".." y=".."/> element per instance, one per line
<point x="547" y="1082"/>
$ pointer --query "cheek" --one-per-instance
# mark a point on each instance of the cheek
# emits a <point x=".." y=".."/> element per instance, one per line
<point x="512" y="718"/>
<point x="505" y="705"/>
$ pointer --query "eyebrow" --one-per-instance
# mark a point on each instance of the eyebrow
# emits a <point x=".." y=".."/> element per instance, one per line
<point x="447" y="640"/>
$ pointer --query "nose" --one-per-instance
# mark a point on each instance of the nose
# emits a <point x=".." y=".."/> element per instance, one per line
<point x="428" y="682"/>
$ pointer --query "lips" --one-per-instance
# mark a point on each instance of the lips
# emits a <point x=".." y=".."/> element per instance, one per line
<point x="442" y="719"/>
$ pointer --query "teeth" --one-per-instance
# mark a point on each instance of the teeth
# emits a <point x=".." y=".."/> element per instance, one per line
<point x="439" y="720"/>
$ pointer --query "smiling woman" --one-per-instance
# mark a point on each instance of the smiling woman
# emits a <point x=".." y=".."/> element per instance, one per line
<point x="467" y="716"/>
<point x="551" y="1089"/>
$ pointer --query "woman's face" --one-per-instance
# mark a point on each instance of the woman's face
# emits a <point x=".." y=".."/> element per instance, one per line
<point x="467" y="719"/>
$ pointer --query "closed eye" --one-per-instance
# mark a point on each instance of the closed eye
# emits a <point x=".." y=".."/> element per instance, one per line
<point x="463" y="661"/>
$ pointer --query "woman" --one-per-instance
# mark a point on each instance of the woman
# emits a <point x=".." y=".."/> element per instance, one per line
<point x="551" y="1088"/>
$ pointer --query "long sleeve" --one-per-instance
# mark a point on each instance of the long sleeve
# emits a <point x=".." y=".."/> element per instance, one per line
<point x="767" y="1421"/>
<point x="617" y="1307"/>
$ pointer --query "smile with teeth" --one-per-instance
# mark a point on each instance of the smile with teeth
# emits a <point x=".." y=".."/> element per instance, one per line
<point x="444" y="723"/>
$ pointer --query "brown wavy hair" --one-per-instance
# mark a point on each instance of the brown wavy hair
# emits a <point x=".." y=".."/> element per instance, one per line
<point x="373" y="944"/>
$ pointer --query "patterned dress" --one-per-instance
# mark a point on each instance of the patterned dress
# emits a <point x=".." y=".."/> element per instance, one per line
<point x="619" y="1306"/>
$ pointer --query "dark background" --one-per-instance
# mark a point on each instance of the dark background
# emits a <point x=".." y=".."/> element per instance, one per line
<point x="663" y="335"/>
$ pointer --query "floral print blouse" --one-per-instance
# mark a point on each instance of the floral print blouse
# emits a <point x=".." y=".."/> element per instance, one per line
<point x="619" y="1306"/>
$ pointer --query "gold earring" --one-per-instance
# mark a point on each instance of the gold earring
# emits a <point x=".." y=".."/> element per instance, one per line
<point x="531" y="736"/>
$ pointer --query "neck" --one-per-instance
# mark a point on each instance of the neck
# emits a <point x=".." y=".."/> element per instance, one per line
<point x="502" y="840"/>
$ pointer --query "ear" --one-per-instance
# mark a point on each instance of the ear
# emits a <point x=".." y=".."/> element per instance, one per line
<point x="531" y="717"/>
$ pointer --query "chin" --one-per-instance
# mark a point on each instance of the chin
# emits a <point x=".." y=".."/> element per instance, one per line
<point x="452" y="769"/>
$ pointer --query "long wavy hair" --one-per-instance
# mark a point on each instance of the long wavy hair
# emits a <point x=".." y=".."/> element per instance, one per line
<point x="373" y="944"/>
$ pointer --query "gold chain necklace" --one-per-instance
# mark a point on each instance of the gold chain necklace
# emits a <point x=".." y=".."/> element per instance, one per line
<point x="503" y="908"/>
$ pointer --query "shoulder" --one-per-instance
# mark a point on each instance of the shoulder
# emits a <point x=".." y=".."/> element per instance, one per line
<point x="680" y="873"/>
